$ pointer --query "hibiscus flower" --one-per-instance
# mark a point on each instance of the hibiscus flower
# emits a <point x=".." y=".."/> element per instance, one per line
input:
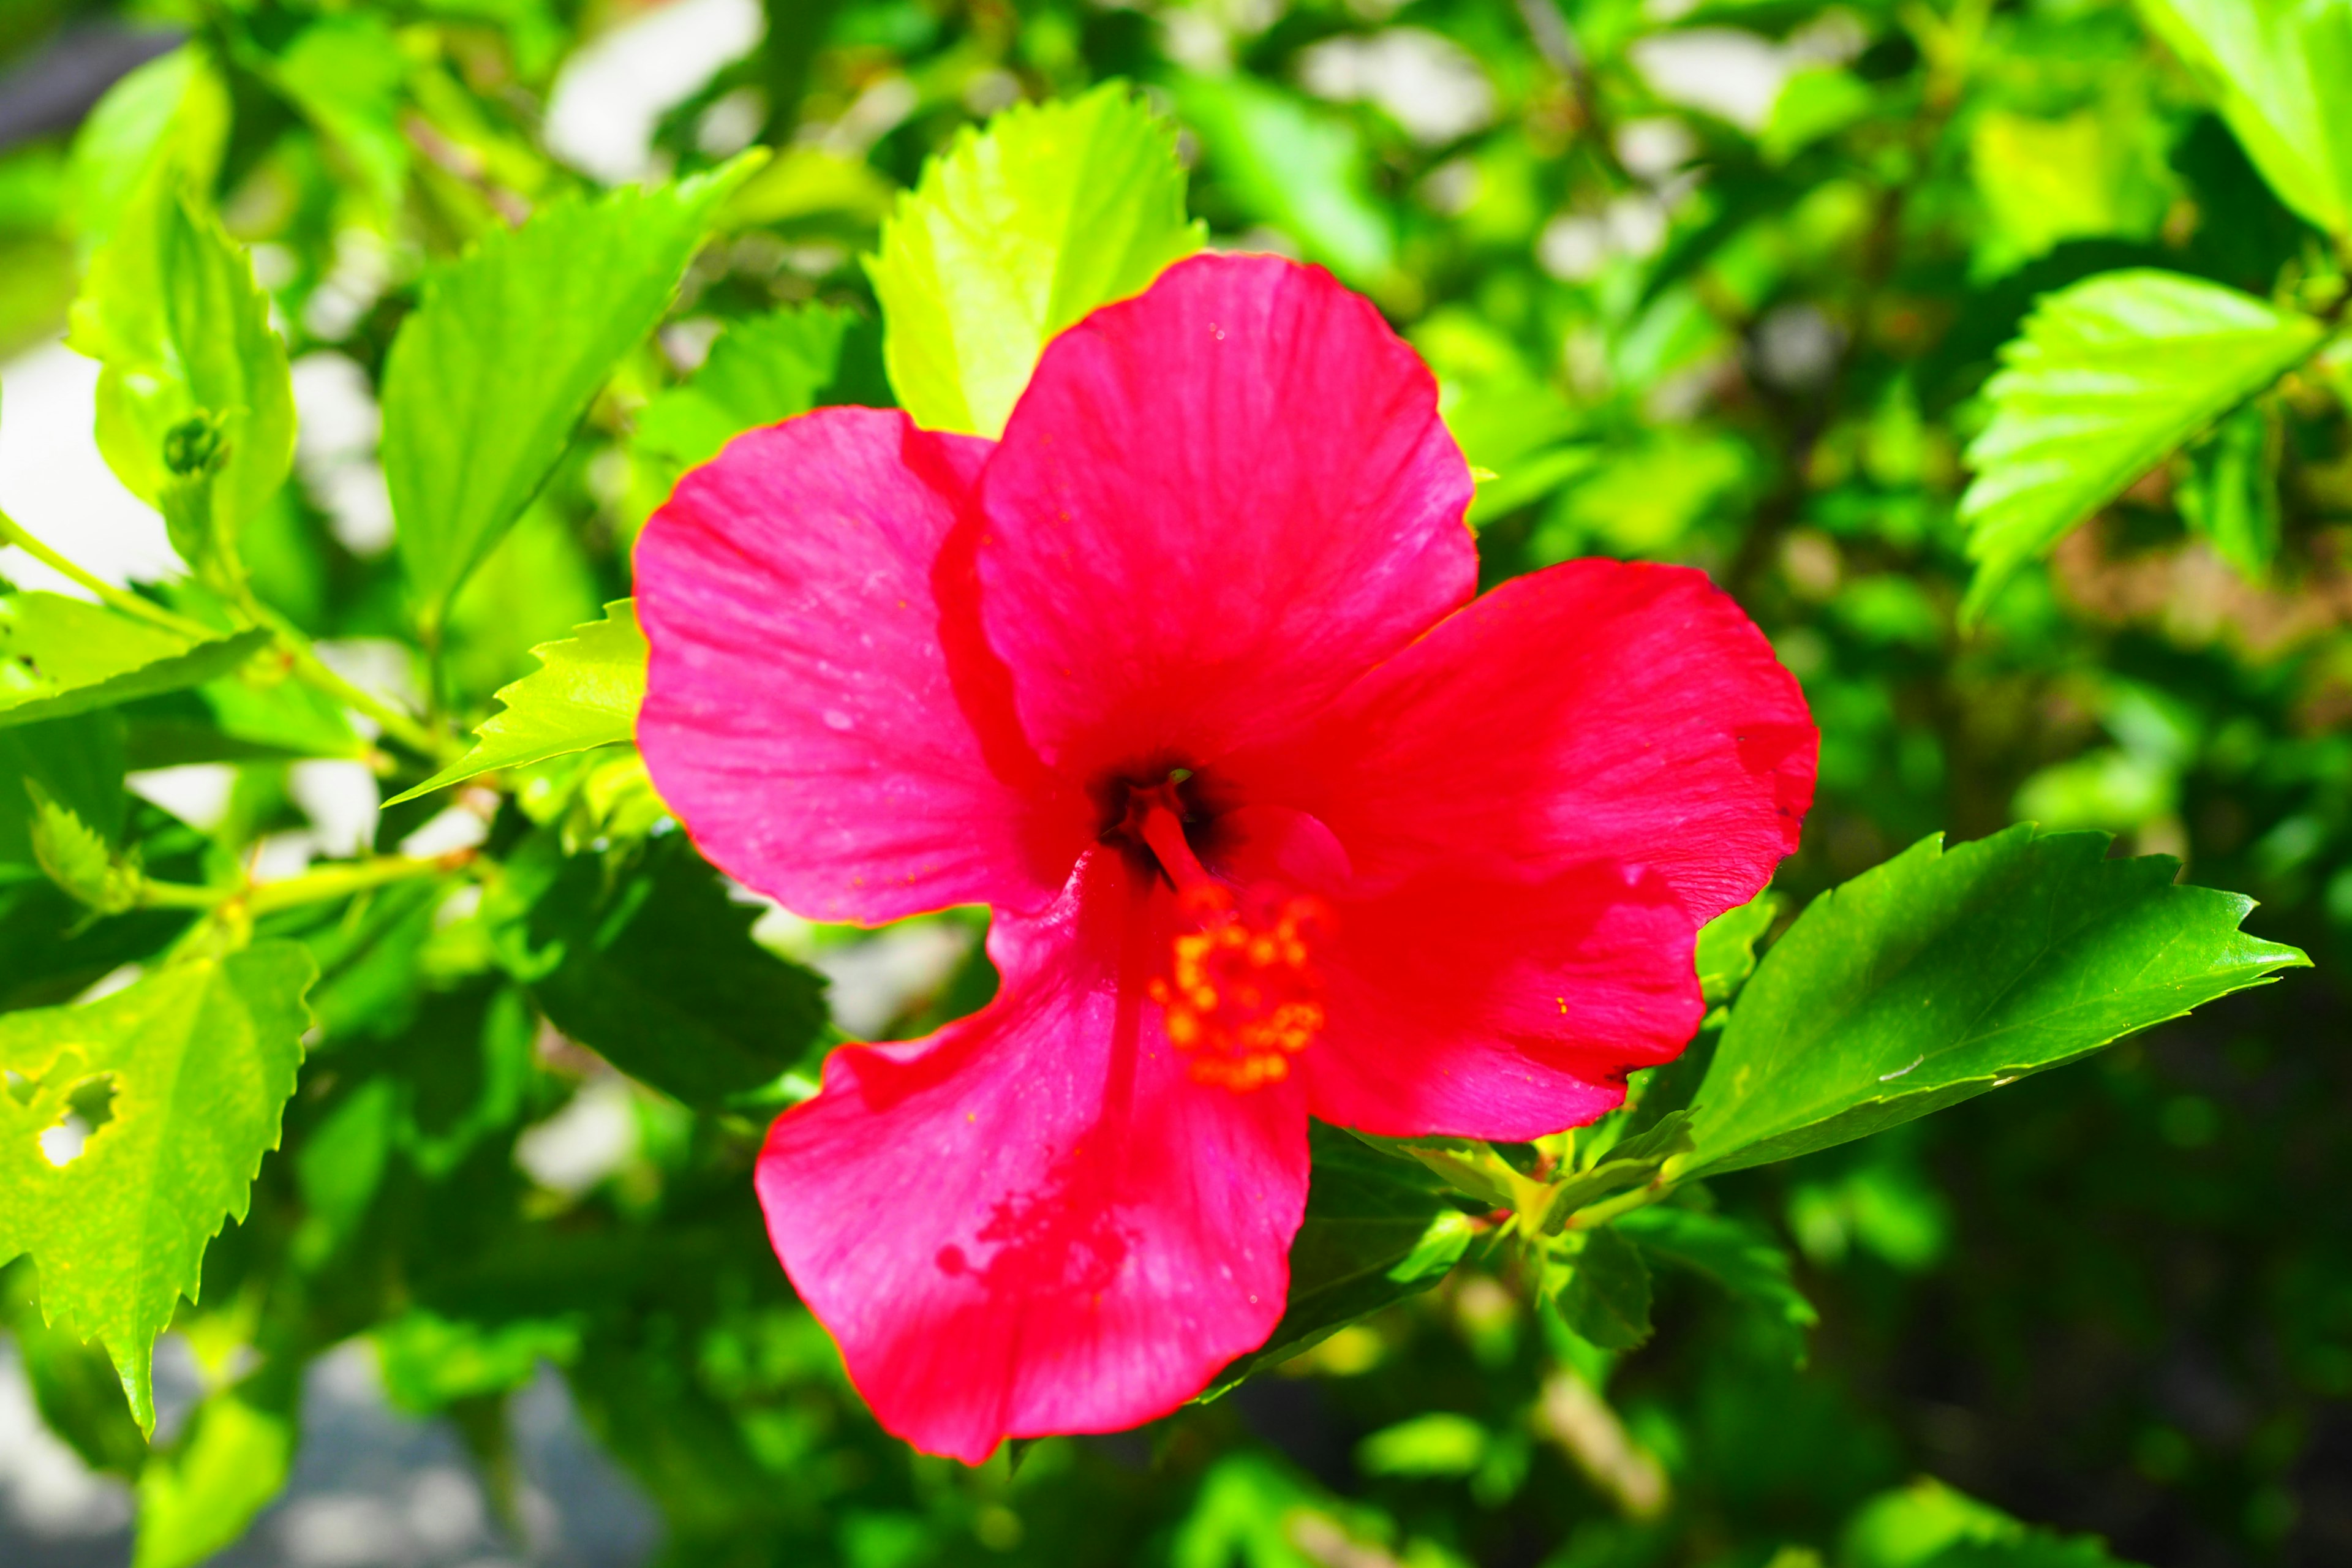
<point x="1184" y="679"/>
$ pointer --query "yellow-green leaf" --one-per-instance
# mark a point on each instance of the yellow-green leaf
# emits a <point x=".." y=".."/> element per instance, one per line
<point x="178" y="1083"/>
<point x="1015" y="232"/>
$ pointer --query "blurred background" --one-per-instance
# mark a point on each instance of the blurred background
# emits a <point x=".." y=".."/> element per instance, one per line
<point x="1714" y="281"/>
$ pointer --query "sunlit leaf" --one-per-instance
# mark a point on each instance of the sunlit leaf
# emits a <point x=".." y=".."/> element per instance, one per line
<point x="585" y="693"/>
<point x="1016" y="231"/>
<point x="2276" y="69"/>
<point x="657" y="970"/>
<point x="191" y="1067"/>
<point x="1942" y="974"/>
<point x="60" y="657"/>
<point x="488" y="378"/>
<point x="172" y="310"/>
<point x="172" y="111"/>
<point x="2109" y="376"/>
<point x="198" y="1499"/>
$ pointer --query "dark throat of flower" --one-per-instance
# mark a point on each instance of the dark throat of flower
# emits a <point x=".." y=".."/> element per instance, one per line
<point x="1241" y="995"/>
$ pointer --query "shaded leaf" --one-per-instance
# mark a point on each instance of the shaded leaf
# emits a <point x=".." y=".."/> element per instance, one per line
<point x="1734" y="1254"/>
<point x="198" y="1060"/>
<point x="1607" y="1297"/>
<point x="1939" y="975"/>
<point x="759" y="370"/>
<point x="656" y="969"/>
<point x="585" y="693"/>
<point x="2109" y="376"/>
<point x="77" y="763"/>
<point x="488" y="378"/>
<point x="1377" y="1230"/>
<point x="2230" y="493"/>
<point x="1016" y="231"/>
<point x="1297" y="166"/>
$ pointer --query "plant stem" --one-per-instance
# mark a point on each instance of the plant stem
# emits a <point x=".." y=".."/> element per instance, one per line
<point x="328" y="882"/>
<point x="15" y="532"/>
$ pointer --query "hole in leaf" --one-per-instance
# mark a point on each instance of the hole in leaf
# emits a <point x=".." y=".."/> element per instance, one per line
<point x="89" y="1105"/>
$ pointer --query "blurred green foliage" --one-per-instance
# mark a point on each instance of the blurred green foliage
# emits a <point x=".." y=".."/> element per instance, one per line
<point x="1717" y="281"/>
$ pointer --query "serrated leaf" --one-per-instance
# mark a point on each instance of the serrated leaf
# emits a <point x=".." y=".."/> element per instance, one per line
<point x="488" y="378"/>
<point x="1726" y="947"/>
<point x="199" y="1499"/>
<point x="1016" y="231"/>
<point x="1939" y="975"/>
<point x="1607" y="1297"/>
<point x="759" y="370"/>
<point x="1734" y="1254"/>
<point x="78" y="762"/>
<point x="172" y="310"/>
<point x="2109" y="376"/>
<point x="2230" y="493"/>
<point x="59" y="657"/>
<point x="200" y="1059"/>
<point x="77" y="858"/>
<point x="585" y="693"/>
<point x="1378" y="1229"/>
<point x="655" y="968"/>
<point x="2276" y="69"/>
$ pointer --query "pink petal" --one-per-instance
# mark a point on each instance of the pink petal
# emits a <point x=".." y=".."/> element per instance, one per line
<point x="825" y="736"/>
<point x="1499" y="1009"/>
<point x="1216" y="504"/>
<point x="1032" y="1221"/>
<point x="1598" y="711"/>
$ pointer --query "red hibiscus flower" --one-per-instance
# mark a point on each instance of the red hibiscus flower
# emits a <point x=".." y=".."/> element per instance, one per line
<point x="1185" y="680"/>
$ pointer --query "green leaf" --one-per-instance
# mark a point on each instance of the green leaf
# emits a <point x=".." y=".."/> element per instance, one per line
<point x="60" y="657"/>
<point x="1297" y="166"/>
<point x="1930" y="1525"/>
<point x="488" y="378"/>
<point x="1607" y="1297"/>
<point x="1377" y="1230"/>
<point x="172" y="309"/>
<point x="1016" y="231"/>
<point x="2230" y="493"/>
<point x="585" y="693"/>
<point x="1748" y="1264"/>
<point x="345" y="73"/>
<point x="1939" y="975"/>
<point x="2276" y="69"/>
<point x="1438" y="1444"/>
<point x="1726" y="947"/>
<point x="430" y="1360"/>
<point x="655" y="968"/>
<point x="759" y="370"/>
<point x="171" y="113"/>
<point x="199" y="1499"/>
<point x="2109" y="376"/>
<point x="1622" y="1167"/>
<point x="76" y="857"/>
<point x="77" y="763"/>
<point x="193" y="1066"/>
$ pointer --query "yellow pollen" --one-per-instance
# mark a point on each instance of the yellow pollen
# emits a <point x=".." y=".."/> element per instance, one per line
<point x="1242" y="996"/>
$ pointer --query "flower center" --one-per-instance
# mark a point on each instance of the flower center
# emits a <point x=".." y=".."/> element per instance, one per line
<point x="1241" y="995"/>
